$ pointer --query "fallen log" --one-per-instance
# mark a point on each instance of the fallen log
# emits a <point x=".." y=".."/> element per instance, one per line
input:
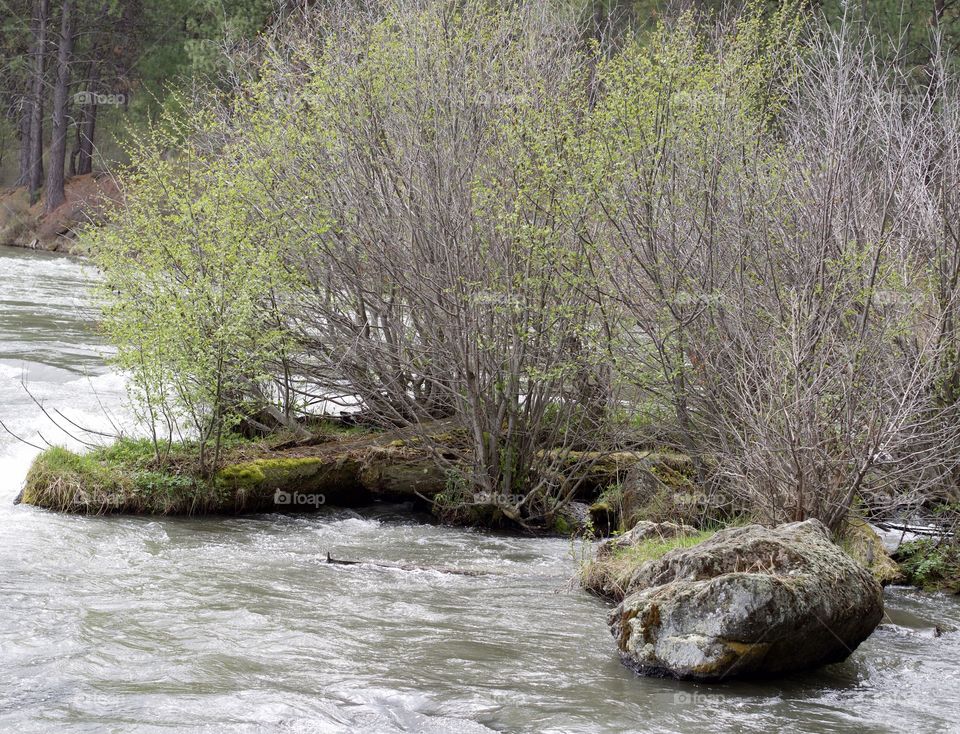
<point x="927" y="530"/>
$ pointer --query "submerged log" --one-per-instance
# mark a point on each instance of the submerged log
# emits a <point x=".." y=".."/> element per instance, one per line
<point x="410" y="567"/>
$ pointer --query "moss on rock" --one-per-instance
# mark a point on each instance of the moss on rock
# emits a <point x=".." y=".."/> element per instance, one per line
<point x="866" y="547"/>
<point x="262" y="483"/>
<point x="617" y="560"/>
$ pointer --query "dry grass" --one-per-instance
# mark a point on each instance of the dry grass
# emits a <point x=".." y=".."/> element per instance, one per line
<point x="610" y="576"/>
<point x="100" y="483"/>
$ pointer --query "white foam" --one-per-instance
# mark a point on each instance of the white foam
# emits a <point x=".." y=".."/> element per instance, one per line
<point x="15" y="462"/>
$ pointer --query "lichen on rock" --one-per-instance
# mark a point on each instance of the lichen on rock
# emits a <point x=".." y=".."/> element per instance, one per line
<point x="749" y="601"/>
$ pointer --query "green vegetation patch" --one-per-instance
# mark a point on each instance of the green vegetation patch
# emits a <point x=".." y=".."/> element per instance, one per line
<point x="609" y="576"/>
<point x="932" y="565"/>
<point x="865" y="546"/>
<point x="128" y="477"/>
<point x="100" y="483"/>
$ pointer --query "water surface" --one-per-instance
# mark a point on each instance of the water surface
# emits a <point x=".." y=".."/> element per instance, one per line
<point x="173" y="625"/>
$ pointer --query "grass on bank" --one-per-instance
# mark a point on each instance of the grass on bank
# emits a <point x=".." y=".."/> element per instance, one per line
<point x="119" y="478"/>
<point x="862" y="543"/>
<point x="127" y="476"/>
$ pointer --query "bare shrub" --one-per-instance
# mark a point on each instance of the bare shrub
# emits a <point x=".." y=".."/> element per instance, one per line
<point x="422" y="152"/>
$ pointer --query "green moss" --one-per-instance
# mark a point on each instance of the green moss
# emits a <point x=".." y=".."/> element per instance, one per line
<point x="930" y="564"/>
<point x="562" y="525"/>
<point x="862" y="544"/>
<point x="247" y="475"/>
<point x="272" y="473"/>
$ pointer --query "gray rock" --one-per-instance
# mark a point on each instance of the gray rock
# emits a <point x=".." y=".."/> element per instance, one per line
<point x="749" y="601"/>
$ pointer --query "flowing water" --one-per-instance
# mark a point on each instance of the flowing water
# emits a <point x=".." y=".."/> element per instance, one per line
<point x="133" y="624"/>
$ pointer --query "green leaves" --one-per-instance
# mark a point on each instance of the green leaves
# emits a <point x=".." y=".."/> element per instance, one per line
<point x="192" y="268"/>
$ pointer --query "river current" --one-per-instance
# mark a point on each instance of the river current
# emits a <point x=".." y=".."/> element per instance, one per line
<point x="220" y="625"/>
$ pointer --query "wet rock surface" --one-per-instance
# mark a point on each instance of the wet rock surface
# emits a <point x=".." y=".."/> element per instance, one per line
<point x="749" y="601"/>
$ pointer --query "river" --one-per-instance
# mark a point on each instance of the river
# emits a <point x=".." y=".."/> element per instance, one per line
<point x="212" y="625"/>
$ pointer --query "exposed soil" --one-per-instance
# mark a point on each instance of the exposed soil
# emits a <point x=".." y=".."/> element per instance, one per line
<point x="23" y="225"/>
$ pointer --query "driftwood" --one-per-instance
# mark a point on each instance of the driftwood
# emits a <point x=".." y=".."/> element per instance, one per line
<point x="409" y="567"/>
<point x="927" y="530"/>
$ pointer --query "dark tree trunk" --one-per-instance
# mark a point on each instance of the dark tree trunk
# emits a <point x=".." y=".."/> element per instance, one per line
<point x="77" y="125"/>
<point x="35" y="138"/>
<point x="81" y="160"/>
<point x="23" y="175"/>
<point x="54" y="193"/>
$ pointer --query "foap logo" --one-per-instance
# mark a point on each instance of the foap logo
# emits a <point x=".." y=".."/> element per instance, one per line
<point x="298" y="499"/>
<point x="713" y="499"/>
<point x="498" y="498"/>
<point x="94" y="700"/>
<point x="109" y="100"/>
<point x="695" y="698"/>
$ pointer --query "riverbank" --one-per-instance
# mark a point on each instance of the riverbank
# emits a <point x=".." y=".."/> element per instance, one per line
<point x="337" y="465"/>
<point x="26" y="225"/>
<point x="346" y="466"/>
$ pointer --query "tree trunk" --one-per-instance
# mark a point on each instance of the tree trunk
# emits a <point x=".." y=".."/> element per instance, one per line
<point x="81" y="159"/>
<point x="35" y="144"/>
<point x="88" y="123"/>
<point x="58" y="142"/>
<point x="23" y="175"/>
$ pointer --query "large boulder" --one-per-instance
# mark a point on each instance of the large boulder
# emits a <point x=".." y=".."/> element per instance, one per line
<point x="749" y="601"/>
